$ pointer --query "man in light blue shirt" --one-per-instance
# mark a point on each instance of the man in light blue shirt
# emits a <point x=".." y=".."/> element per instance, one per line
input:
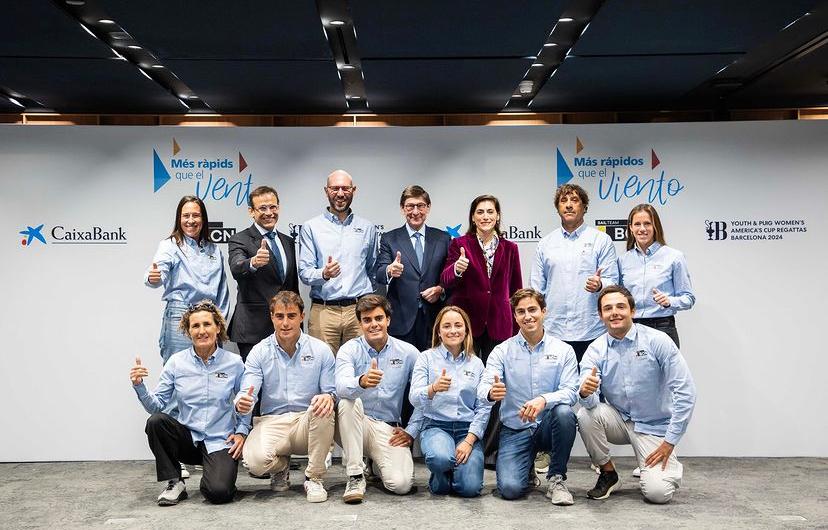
<point x="649" y="395"/>
<point x="572" y="264"/>
<point x="295" y="373"/>
<point x="535" y="375"/>
<point x="337" y="250"/>
<point x="372" y="373"/>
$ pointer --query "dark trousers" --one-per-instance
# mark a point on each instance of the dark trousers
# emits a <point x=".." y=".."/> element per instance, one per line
<point x="580" y="346"/>
<point x="172" y="444"/>
<point x="484" y="345"/>
<point x="420" y="333"/>
<point x="665" y="324"/>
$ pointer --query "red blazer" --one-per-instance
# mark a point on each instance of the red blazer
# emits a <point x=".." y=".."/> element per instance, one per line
<point x="485" y="299"/>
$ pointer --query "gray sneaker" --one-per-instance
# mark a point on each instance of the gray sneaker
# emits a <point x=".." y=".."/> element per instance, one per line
<point x="354" y="490"/>
<point x="542" y="463"/>
<point x="280" y="481"/>
<point x="174" y="492"/>
<point x="556" y="491"/>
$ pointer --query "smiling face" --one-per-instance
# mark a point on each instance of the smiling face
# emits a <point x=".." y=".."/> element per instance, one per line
<point x="571" y="210"/>
<point x="643" y="230"/>
<point x="415" y="210"/>
<point x="287" y="323"/>
<point x="190" y="220"/>
<point x="374" y="324"/>
<point x="529" y="317"/>
<point x="265" y="210"/>
<point x="340" y="191"/>
<point x="485" y="217"/>
<point x="616" y="314"/>
<point x="452" y="331"/>
<point x="203" y="331"/>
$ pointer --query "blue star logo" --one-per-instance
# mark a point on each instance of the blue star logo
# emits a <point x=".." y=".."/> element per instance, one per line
<point x="454" y="231"/>
<point x="33" y="233"/>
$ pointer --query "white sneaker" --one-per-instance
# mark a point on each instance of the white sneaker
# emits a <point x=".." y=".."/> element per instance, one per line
<point x="595" y="468"/>
<point x="280" y="481"/>
<point x="315" y="491"/>
<point x="556" y="491"/>
<point x="184" y="472"/>
<point x="174" y="492"/>
<point x="637" y="472"/>
<point x="329" y="460"/>
<point x="354" y="490"/>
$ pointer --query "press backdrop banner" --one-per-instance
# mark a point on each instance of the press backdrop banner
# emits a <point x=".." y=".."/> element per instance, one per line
<point x="83" y="209"/>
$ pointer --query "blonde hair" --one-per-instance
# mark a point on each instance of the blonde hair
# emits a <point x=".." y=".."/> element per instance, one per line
<point x="468" y="341"/>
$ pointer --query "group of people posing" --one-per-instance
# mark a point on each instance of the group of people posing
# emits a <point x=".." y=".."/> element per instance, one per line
<point x="458" y="354"/>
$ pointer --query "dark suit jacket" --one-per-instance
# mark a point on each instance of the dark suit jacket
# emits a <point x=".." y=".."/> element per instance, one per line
<point x="251" y="319"/>
<point x="404" y="292"/>
<point x="485" y="299"/>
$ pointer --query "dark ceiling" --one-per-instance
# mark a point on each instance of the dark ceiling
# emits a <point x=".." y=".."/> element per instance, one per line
<point x="394" y="56"/>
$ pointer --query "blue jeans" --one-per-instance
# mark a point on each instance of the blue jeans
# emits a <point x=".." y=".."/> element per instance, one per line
<point x="517" y="450"/>
<point x="438" y="441"/>
<point x="172" y="340"/>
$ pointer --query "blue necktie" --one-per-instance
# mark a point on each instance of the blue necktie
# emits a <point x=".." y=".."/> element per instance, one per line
<point x="418" y="248"/>
<point x="280" y="268"/>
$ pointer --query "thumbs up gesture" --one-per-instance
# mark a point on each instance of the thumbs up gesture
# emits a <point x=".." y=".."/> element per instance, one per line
<point x="590" y="384"/>
<point x="593" y="283"/>
<point x="498" y="391"/>
<point x="462" y="263"/>
<point x="262" y="256"/>
<point x="331" y="269"/>
<point x="372" y="377"/>
<point x="244" y="403"/>
<point x="442" y="383"/>
<point x="154" y="275"/>
<point x="395" y="268"/>
<point x="660" y="298"/>
<point x="138" y="372"/>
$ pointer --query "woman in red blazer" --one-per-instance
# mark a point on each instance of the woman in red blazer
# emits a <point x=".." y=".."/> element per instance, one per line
<point x="483" y="270"/>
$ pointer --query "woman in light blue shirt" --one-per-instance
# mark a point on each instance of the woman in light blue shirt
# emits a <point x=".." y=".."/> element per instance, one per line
<point x="654" y="273"/>
<point x="190" y="268"/>
<point x="444" y="387"/>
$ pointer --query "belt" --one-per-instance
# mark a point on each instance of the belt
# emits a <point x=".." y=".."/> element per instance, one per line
<point x="668" y="321"/>
<point x="340" y="302"/>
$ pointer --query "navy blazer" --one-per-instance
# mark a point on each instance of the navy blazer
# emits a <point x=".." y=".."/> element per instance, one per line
<point x="485" y="299"/>
<point x="251" y="319"/>
<point x="404" y="292"/>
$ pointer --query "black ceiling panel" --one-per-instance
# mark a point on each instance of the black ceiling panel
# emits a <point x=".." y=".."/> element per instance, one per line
<point x="625" y="83"/>
<point x="442" y="29"/>
<point x="241" y="29"/>
<point x="627" y="27"/>
<point x="7" y="107"/>
<point x="95" y="86"/>
<point x="473" y="85"/>
<point x="264" y="87"/>
<point x="36" y="28"/>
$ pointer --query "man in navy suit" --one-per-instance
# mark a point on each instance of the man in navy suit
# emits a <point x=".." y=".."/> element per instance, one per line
<point x="263" y="262"/>
<point x="410" y="261"/>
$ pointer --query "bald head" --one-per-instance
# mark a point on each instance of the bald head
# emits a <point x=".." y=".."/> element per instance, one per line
<point x="340" y="191"/>
<point x="340" y="177"/>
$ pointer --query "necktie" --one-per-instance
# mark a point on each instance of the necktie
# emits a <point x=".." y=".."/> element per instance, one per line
<point x="280" y="267"/>
<point x="418" y="248"/>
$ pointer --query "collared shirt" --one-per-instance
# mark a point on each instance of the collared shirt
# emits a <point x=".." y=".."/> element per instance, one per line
<point x="353" y="243"/>
<point x="563" y="262"/>
<point x="550" y="369"/>
<point x="204" y="393"/>
<point x="276" y="242"/>
<point x="460" y="401"/>
<point x="645" y="377"/>
<point x="288" y="383"/>
<point x="383" y="402"/>
<point x="662" y="268"/>
<point x="190" y="273"/>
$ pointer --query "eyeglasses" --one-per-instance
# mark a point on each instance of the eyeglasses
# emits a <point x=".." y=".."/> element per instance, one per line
<point x="268" y="208"/>
<point x="417" y="206"/>
<point x="344" y="189"/>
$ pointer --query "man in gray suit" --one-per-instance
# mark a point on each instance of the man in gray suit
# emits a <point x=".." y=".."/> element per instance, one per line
<point x="263" y="262"/>
<point x="410" y="261"/>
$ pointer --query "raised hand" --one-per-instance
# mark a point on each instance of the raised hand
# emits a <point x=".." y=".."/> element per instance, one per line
<point x="372" y="377"/>
<point x="395" y="268"/>
<point x="660" y="298"/>
<point x="442" y="384"/>
<point x="498" y="391"/>
<point x="462" y="263"/>
<point x="244" y="403"/>
<point x="590" y="384"/>
<point x="331" y="269"/>
<point x="262" y="256"/>
<point x="154" y="274"/>
<point x="593" y="283"/>
<point x="138" y="372"/>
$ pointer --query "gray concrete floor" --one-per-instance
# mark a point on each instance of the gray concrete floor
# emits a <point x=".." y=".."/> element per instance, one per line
<point x="717" y="493"/>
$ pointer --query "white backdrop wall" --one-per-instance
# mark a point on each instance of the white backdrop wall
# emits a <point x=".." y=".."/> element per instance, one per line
<point x="75" y="315"/>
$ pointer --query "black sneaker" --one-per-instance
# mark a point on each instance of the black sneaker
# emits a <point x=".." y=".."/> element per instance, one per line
<point x="608" y="482"/>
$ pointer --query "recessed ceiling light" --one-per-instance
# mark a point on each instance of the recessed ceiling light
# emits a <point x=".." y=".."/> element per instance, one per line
<point x="550" y="44"/>
<point x="106" y="21"/>
<point x="75" y="2"/>
<point x="353" y="97"/>
<point x="536" y="65"/>
<point x="158" y="66"/>
<point x="337" y="22"/>
<point x="134" y="47"/>
<point x="566" y="19"/>
<point x="120" y="35"/>
<point x="516" y="96"/>
<point x="348" y="67"/>
<point x="22" y="106"/>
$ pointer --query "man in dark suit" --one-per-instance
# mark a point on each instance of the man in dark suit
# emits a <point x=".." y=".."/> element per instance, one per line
<point x="263" y="262"/>
<point x="410" y="261"/>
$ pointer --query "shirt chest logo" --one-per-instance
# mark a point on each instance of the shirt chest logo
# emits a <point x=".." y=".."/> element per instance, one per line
<point x="641" y="354"/>
<point x="395" y="363"/>
<point x="221" y="375"/>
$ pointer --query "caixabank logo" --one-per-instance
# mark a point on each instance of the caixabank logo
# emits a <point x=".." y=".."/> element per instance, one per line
<point x="637" y="177"/>
<point x="211" y="177"/>
<point x="60" y="234"/>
